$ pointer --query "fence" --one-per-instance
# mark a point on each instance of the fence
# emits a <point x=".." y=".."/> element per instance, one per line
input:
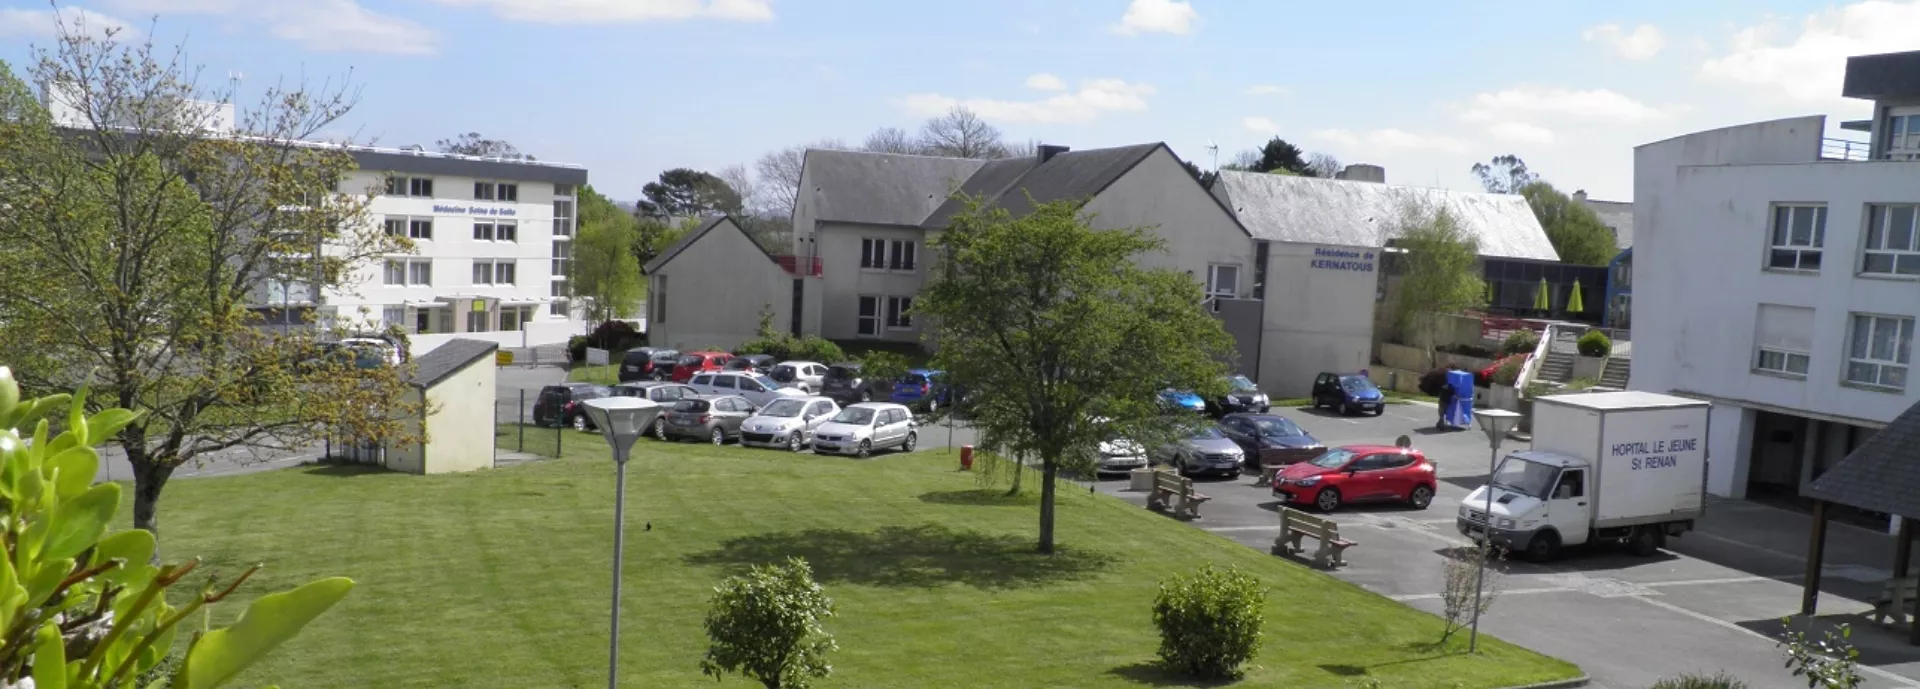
<point x="515" y="437"/>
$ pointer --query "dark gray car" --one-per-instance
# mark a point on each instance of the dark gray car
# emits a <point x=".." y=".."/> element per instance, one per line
<point x="715" y="418"/>
<point x="845" y="384"/>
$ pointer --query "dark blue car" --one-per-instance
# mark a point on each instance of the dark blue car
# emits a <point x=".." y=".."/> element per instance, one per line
<point x="1183" y="400"/>
<point x="1348" y="394"/>
<point x="921" y="389"/>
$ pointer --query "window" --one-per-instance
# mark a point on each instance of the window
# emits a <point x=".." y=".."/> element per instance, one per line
<point x="483" y="272"/>
<point x="1798" y="233"/>
<point x="724" y="383"/>
<point x="562" y="217"/>
<point x="1223" y="281"/>
<point x="477" y="321"/>
<point x="504" y="272"/>
<point x="483" y="231"/>
<point x="902" y="255"/>
<point x="510" y="318"/>
<point x="396" y="273"/>
<point x="1260" y="252"/>
<point x="1782" y="339"/>
<point x="659" y="299"/>
<point x="396" y="227"/>
<point x="483" y="191"/>
<point x="396" y="186"/>
<point x="1572" y="484"/>
<point x="562" y="253"/>
<point x="420" y="272"/>
<point x="1903" y="136"/>
<point x="1879" y="351"/>
<point x="420" y="228"/>
<point x="506" y="232"/>
<point x="868" y="324"/>
<point x="557" y="308"/>
<point x="1893" y="241"/>
<point x="559" y="289"/>
<point x="899" y="313"/>
<point x="873" y="254"/>
<point x="393" y="317"/>
<point x="420" y="186"/>
<point x="509" y="192"/>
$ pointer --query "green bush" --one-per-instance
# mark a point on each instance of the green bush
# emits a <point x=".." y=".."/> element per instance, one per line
<point x="1718" y="680"/>
<point x="765" y="625"/>
<point x="1209" y="621"/>
<point x="1520" y="342"/>
<point x="784" y="347"/>
<point x="577" y="348"/>
<point x="1507" y="372"/>
<point x="1594" y="344"/>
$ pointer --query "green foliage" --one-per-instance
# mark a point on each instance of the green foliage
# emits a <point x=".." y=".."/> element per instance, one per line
<point x="1520" y="342"/>
<point x="783" y="346"/>
<point x="1718" y="680"/>
<point x="1441" y="273"/>
<point x="1209" y="621"/>
<point x="84" y="610"/>
<point x="1594" y="343"/>
<point x="654" y="236"/>
<point x="1507" y="371"/>
<point x="1581" y="383"/>
<point x="765" y="625"/>
<point x="1574" y="229"/>
<point x="605" y="275"/>
<point x="881" y="364"/>
<point x="1828" y="661"/>
<point x="687" y="193"/>
<point x="1505" y="174"/>
<point x="1278" y="156"/>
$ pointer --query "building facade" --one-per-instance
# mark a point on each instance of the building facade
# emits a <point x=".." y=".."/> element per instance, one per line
<point x="1783" y="282"/>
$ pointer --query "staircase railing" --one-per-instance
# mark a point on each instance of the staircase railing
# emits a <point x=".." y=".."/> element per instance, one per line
<point x="1531" y="369"/>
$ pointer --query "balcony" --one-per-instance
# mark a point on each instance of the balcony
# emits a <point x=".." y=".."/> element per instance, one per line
<point x="799" y="266"/>
<point x="1843" y="149"/>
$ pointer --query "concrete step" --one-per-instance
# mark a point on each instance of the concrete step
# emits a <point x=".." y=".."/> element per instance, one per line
<point x="1617" y="372"/>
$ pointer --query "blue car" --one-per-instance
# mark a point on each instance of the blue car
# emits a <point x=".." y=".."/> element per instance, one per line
<point x="921" y="389"/>
<point x="1183" y="400"/>
<point x="1348" y="394"/>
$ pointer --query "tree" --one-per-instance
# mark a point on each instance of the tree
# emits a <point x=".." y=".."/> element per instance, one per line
<point x="87" y="610"/>
<point x="652" y="236"/>
<point x="1244" y="161"/>
<point x="780" y="174"/>
<point x="1278" y="155"/>
<point x="765" y="625"/>
<point x="686" y="193"/>
<point x="1575" y="230"/>
<point x="961" y="134"/>
<point x="1205" y="178"/>
<point x="138" y="247"/>
<point x="1023" y="149"/>
<point x="1506" y="174"/>
<point x="890" y="140"/>
<point x="1050" y="322"/>
<point x="1468" y="589"/>
<point x="1323" y="165"/>
<point x="1440" y="270"/>
<point x="606" y="274"/>
<point x="473" y="144"/>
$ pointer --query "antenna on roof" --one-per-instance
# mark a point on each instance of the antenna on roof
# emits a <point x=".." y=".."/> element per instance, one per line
<point x="234" y="77"/>
<point x="1214" y="150"/>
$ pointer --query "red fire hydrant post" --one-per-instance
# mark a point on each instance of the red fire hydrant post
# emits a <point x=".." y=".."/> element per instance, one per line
<point x="966" y="458"/>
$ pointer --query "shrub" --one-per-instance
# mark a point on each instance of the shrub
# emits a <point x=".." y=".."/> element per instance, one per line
<point x="1520" y="342"/>
<point x="1209" y="621"/>
<point x="1469" y="589"/>
<point x="816" y="348"/>
<point x="1594" y="344"/>
<point x="1827" y="662"/>
<point x="1507" y="371"/>
<point x="577" y="348"/>
<point x="765" y="625"/>
<point x="1718" y="680"/>
<point x="1432" y="382"/>
<point x="614" y="335"/>
<point x="786" y="347"/>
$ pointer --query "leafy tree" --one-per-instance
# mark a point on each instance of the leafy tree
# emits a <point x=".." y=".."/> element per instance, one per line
<point x="1440" y="270"/>
<point x="1050" y="323"/>
<point x="1323" y="165"/>
<point x="890" y="140"/>
<point x="1575" y="230"/>
<point x="1205" y="178"/>
<point x="652" y="237"/>
<point x="139" y="255"/>
<point x="960" y="133"/>
<point x="684" y="193"/>
<point x="1505" y="174"/>
<point x="1472" y="577"/>
<point x="86" y="610"/>
<point x="473" y="144"/>
<point x="1210" y="621"/>
<point x="605" y="273"/>
<point x="1278" y="155"/>
<point x="765" y="625"/>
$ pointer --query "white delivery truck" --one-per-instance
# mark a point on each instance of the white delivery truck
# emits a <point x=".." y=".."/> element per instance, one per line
<point x="1621" y="467"/>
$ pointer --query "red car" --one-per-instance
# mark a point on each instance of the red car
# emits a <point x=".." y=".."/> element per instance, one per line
<point x="698" y="362"/>
<point x="1358" y="473"/>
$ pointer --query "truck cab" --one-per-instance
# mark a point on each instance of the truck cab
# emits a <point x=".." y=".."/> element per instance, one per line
<point x="1540" y="503"/>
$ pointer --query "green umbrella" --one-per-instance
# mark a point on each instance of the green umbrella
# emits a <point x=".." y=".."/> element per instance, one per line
<point x="1541" y="300"/>
<point x="1574" y="303"/>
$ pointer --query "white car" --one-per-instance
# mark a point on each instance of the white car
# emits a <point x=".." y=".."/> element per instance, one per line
<point x="1117" y="454"/>
<point x="757" y="388"/>
<point x="860" y="429"/>
<point x="806" y="375"/>
<point x="787" y="422"/>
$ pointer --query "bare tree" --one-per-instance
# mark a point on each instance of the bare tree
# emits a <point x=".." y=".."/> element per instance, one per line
<point x="1466" y="584"/>
<point x="961" y="134"/>
<point x="780" y="174"/>
<point x="1024" y="149"/>
<point x="473" y="144"/>
<point x="1244" y="160"/>
<point x="890" y="140"/>
<point x="752" y="201"/>
<point x="1323" y="165"/>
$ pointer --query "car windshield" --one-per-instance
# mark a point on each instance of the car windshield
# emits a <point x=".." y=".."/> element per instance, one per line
<point x="690" y="360"/>
<point x="690" y="405"/>
<point x="782" y="373"/>
<point x="787" y="408"/>
<point x="857" y="416"/>
<point x="1524" y="477"/>
<point x="842" y="373"/>
<point x="913" y="379"/>
<point x="1241" y="384"/>
<point x="1357" y="384"/>
<point x="1332" y="459"/>
<point x="738" y="364"/>
<point x="1275" y="425"/>
<point x="767" y="381"/>
<point x="1207" y="433"/>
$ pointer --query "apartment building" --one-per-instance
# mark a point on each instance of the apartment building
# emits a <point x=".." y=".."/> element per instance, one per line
<point x="1779" y="275"/>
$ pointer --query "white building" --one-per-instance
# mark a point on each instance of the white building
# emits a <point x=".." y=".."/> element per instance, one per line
<point x="1781" y="280"/>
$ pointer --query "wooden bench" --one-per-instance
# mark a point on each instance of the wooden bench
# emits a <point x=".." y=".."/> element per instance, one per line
<point x="1268" y="471"/>
<point x="1175" y="494"/>
<point x="1895" y="599"/>
<point x="1295" y="525"/>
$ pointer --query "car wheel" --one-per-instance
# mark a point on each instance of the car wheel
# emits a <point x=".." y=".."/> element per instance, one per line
<point x="660" y="429"/>
<point x="1382" y="409"/>
<point x="1327" y="500"/>
<point x="865" y="450"/>
<point x="1346" y="409"/>
<point x="933" y="405"/>
<point x="718" y="436"/>
<point x="913" y="439"/>
<point x="1422" y="497"/>
<point x="580" y="422"/>
<point x="866" y="395"/>
<point x="1544" y="547"/>
<point x="793" y="442"/>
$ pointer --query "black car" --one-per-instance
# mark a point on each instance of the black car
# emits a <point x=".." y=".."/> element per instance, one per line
<point x="1243" y="396"/>
<point x="560" y="405"/>
<point x="663" y="361"/>
<point x="639" y="363"/>
<point x="844" y="384"/>
<point x="752" y="363"/>
<point x="1268" y="439"/>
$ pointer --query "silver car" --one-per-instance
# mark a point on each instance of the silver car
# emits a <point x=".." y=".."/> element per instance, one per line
<point x="787" y="422"/>
<point x="1207" y="451"/>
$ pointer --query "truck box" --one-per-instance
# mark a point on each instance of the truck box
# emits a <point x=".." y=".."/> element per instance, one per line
<point x="1648" y="450"/>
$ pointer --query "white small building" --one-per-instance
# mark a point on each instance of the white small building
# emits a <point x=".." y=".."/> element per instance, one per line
<point x="452" y="389"/>
<point x="1778" y="276"/>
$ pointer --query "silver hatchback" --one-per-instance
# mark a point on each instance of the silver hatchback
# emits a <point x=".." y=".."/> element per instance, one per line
<point x="787" y="422"/>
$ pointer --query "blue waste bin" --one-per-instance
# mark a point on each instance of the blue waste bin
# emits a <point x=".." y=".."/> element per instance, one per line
<point x="1459" y="412"/>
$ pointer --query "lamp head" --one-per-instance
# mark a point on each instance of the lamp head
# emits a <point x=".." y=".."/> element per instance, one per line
<point x="622" y="420"/>
<point x="1496" y="423"/>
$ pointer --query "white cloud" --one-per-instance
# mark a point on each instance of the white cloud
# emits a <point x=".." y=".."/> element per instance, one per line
<point x="1520" y="132"/>
<point x="1261" y="125"/>
<point x="1642" y="42"/>
<point x="1094" y="98"/>
<point x="1592" y="104"/>
<point x="622" y="11"/>
<point x="1046" y="82"/>
<point x="1264" y="90"/>
<point x="1156" y="16"/>
<point x="1808" y="65"/>
<point x="1386" y="140"/>
<point x="40" y="23"/>
<point x="318" y="25"/>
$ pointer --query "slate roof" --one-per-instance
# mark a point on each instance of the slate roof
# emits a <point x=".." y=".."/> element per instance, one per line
<point x="881" y="188"/>
<point x="1883" y="474"/>
<point x="1068" y="175"/>
<point x="1617" y="215"/>
<point x="447" y="359"/>
<point x="1310" y="210"/>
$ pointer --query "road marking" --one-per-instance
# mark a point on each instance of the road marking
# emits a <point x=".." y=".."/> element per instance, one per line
<point x="1901" y="682"/>
<point x="1508" y="592"/>
<point x="1722" y="580"/>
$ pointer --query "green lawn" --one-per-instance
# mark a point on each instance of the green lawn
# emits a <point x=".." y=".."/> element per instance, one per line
<point x="602" y="375"/>
<point x="500" y="578"/>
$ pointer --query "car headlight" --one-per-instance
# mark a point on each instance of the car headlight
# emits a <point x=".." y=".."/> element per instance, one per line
<point x="1503" y="522"/>
<point x="1260" y="398"/>
<point x="1308" y="481"/>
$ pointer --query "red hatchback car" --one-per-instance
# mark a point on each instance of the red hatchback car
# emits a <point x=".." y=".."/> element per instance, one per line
<point x="698" y="362"/>
<point x="1358" y="473"/>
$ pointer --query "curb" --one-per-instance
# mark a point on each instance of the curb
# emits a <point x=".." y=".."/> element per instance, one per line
<point x="1580" y="681"/>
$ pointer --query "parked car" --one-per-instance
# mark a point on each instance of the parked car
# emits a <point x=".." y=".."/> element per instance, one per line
<point x="787" y="422"/>
<point x="805" y="375"/>
<point x="1117" y="454"/>
<point x="846" y="385"/>
<point x="664" y="361"/>
<point x="698" y="362"/>
<point x="1243" y="396"/>
<point x="921" y="388"/>
<point x="751" y="363"/>
<point x="1349" y="393"/>
<point x="1358" y="473"/>
<point x="637" y="364"/>
<point x="1207" y="451"/>
<point x="716" y="418"/>
<point x="1182" y="400"/>
<point x="560" y="405"/>
<point x="757" y="388"/>
<point x="860" y="429"/>
<point x="1267" y="439"/>
<point x="660" y="391"/>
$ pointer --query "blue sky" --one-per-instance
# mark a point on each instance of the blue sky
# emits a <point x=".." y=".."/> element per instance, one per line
<point x="632" y="87"/>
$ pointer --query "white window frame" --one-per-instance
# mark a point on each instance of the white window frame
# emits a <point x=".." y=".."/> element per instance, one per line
<point x="420" y="272"/>
<point x="1213" y="289"/>
<point x="394" y="273"/>
<point x="558" y="308"/>
<point x="483" y="231"/>
<point x="486" y="321"/>
<point x="1781" y="239"/>
<point x="508" y="192"/>
<point x="1902" y="261"/>
<point x="505" y="271"/>
<point x="1781" y="362"/>
<point x="393" y="316"/>
<point x="415" y="187"/>
<point x="1903" y="134"/>
<point x="482" y="272"/>
<point x="873" y="254"/>
<point x="902" y="255"/>
<point x="394" y="226"/>
<point x="483" y="191"/>
<point x="506" y="232"/>
<point x="861" y="327"/>
<point x="415" y="231"/>
<point x="899" y="313"/>
<point x="563" y="217"/>
<point x="1888" y="373"/>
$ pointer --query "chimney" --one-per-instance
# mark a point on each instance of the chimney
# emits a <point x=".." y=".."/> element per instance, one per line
<point x="1362" y="172"/>
<point x="1580" y="196"/>
<point x="1048" y="151"/>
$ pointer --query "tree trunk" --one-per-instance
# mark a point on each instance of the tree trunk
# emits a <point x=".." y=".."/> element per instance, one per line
<point x="1050" y="468"/>
<point x="148" y="479"/>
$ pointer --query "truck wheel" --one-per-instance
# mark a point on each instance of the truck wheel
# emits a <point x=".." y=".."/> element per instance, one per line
<point x="1645" y="541"/>
<point x="1544" y="547"/>
<point x="1421" y="497"/>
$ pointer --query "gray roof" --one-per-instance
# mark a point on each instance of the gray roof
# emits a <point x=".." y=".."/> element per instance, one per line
<point x="1069" y="175"/>
<point x="1617" y="215"/>
<point x="881" y="188"/>
<point x="1883" y="474"/>
<point x="1311" y="210"/>
<point x="447" y="359"/>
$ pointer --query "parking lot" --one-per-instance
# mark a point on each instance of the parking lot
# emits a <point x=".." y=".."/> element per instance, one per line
<point x="1711" y="602"/>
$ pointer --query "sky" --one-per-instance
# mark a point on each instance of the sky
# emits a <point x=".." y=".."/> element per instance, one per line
<point x="629" y="88"/>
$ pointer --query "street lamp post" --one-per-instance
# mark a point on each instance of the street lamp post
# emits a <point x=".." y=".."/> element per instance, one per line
<point x="1496" y="422"/>
<point x="621" y="420"/>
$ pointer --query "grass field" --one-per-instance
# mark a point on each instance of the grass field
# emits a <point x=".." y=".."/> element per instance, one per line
<point x="500" y="578"/>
